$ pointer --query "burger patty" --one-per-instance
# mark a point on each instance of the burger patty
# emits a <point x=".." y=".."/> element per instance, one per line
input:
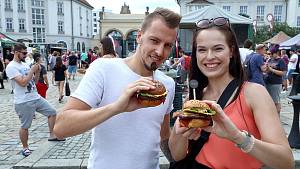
<point x="194" y="116"/>
<point x="151" y="98"/>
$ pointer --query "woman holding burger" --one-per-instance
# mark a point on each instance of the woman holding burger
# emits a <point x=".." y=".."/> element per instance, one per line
<point x="248" y="132"/>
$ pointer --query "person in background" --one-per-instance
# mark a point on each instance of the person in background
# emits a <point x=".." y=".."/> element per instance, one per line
<point x="183" y="66"/>
<point x="285" y="58"/>
<point x="42" y="83"/>
<point x="52" y="63"/>
<point x="291" y="67"/>
<point x="72" y="65"/>
<point x="84" y="60"/>
<point x="60" y="74"/>
<point x="1" y="73"/>
<point x="105" y="101"/>
<point x="276" y="69"/>
<point x="26" y="99"/>
<point x="241" y="136"/>
<point x="29" y="59"/>
<point x="107" y="48"/>
<point x="246" y="50"/>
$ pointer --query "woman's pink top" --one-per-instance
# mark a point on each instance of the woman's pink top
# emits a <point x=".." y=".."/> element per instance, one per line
<point x="221" y="153"/>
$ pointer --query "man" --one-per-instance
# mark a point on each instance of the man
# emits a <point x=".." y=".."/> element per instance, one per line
<point x="246" y="50"/>
<point x="26" y="98"/>
<point x="256" y="64"/>
<point x="72" y="65"/>
<point x="292" y="65"/>
<point x="184" y="65"/>
<point x="125" y="134"/>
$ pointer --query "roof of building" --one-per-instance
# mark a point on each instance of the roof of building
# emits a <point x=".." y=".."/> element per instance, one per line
<point x="86" y="3"/>
<point x="201" y="2"/>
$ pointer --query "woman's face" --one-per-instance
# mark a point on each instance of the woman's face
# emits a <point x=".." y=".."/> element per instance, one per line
<point x="213" y="53"/>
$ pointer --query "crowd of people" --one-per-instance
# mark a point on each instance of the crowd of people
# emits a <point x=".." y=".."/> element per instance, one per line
<point x="105" y="100"/>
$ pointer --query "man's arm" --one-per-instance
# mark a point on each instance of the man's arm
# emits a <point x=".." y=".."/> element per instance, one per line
<point x="23" y="80"/>
<point x="164" y="135"/>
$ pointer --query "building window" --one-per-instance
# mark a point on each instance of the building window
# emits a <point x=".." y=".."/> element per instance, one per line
<point x="299" y="3"/>
<point x="298" y="21"/>
<point x="9" y="25"/>
<point x="60" y="6"/>
<point x="38" y="16"/>
<point x="95" y="30"/>
<point x="199" y="7"/>
<point x="22" y="25"/>
<point x="191" y="8"/>
<point x="95" y="25"/>
<point x="37" y="3"/>
<point x="60" y="27"/>
<point x="95" y="20"/>
<point x="226" y="8"/>
<point x="38" y="35"/>
<point x="8" y="5"/>
<point x="80" y="13"/>
<point x="243" y="9"/>
<point x="21" y="6"/>
<point x="80" y="26"/>
<point x="95" y="14"/>
<point x="78" y="47"/>
<point x="277" y="13"/>
<point x="260" y="13"/>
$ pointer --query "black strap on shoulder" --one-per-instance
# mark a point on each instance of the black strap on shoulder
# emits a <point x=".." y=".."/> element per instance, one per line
<point x="227" y="93"/>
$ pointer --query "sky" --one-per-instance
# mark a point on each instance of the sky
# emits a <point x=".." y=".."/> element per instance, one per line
<point x="135" y="6"/>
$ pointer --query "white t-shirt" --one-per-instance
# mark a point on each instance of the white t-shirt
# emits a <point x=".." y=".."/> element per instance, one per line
<point x="293" y="65"/>
<point x="21" y="94"/>
<point x="244" y="52"/>
<point x="130" y="140"/>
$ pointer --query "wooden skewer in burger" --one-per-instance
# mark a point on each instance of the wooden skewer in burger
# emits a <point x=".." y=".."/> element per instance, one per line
<point x="153" y="97"/>
<point x="195" y="113"/>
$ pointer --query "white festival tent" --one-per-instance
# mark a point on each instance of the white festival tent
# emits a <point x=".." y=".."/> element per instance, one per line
<point x="291" y="42"/>
<point x="213" y="11"/>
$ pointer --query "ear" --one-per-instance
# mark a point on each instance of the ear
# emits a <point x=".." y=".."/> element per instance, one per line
<point x="139" y="37"/>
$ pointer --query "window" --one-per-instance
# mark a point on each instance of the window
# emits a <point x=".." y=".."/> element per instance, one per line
<point x="277" y="13"/>
<point x="226" y="8"/>
<point x="95" y="20"/>
<point x="260" y="12"/>
<point x="95" y="14"/>
<point x="80" y="13"/>
<point x="80" y="26"/>
<point x="95" y="30"/>
<point x="22" y="25"/>
<point x="191" y="8"/>
<point x="38" y="16"/>
<point x="243" y="9"/>
<point x="60" y="27"/>
<point x="199" y="7"/>
<point x="9" y="25"/>
<point x="21" y="5"/>
<point x="298" y="21"/>
<point x="299" y="3"/>
<point x="95" y="25"/>
<point x="8" y="5"/>
<point x="60" y="6"/>
<point x="38" y="35"/>
<point x="37" y="3"/>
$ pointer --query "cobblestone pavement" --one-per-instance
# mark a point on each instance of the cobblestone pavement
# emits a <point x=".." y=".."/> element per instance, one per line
<point x="75" y="150"/>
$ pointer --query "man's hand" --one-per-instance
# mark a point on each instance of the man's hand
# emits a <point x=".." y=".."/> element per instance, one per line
<point x="128" y="102"/>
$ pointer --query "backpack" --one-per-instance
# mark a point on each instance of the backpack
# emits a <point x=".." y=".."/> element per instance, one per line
<point x="187" y="63"/>
<point x="247" y="67"/>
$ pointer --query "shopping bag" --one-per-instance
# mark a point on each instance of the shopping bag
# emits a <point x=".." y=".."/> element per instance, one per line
<point x="67" y="89"/>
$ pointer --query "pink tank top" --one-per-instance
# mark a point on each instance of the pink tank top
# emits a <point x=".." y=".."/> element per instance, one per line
<point x="221" y="153"/>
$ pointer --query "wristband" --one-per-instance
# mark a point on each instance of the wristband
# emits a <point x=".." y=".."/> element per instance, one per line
<point x="247" y="145"/>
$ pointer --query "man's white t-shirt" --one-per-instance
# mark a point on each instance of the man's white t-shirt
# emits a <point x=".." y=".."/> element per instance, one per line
<point x="244" y="52"/>
<point x="130" y="140"/>
<point x="21" y="94"/>
<point x="292" y="65"/>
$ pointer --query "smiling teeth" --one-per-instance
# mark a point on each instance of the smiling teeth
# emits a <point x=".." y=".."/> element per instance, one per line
<point x="211" y="65"/>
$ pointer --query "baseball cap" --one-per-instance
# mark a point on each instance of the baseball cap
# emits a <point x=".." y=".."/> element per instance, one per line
<point x="259" y="46"/>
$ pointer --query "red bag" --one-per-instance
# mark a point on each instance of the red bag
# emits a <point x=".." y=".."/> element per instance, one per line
<point x="187" y="63"/>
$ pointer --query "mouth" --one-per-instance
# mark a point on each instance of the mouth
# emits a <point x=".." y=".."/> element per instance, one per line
<point x="211" y="65"/>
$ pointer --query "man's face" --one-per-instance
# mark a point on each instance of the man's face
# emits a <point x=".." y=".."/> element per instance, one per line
<point x="155" y="43"/>
<point x="21" y="54"/>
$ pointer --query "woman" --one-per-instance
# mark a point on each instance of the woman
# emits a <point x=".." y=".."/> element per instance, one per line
<point x="60" y="74"/>
<point x="42" y="83"/>
<point x="276" y="69"/>
<point x="216" y="62"/>
<point x="108" y="50"/>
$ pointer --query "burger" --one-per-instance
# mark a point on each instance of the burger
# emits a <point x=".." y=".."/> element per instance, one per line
<point x="152" y="97"/>
<point x="195" y="114"/>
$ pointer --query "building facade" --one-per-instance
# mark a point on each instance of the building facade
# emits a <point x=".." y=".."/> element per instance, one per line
<point x="46" y="22"/>
<point x="282" y="10"/>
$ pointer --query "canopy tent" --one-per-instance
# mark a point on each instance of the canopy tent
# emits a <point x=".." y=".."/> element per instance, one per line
<point x="278" y="38"/>
<point x="6" y="41"/>
<point x="213" y="11"/>
<point x="291" y="42"/>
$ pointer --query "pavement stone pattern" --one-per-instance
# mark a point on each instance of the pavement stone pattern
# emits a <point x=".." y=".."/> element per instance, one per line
<point x="74" y="152"/>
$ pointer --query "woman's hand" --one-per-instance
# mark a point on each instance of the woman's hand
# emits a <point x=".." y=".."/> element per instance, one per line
<point x="222" y="124"/>
<point x="189" y="133"/>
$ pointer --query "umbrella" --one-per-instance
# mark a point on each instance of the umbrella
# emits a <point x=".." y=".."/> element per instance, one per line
<point x="278" y="38"/>
<point x="291" y="42"/>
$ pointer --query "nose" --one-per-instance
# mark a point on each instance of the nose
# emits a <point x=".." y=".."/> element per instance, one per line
<point x="160" y="50"/>
<point x="210" y="54"/>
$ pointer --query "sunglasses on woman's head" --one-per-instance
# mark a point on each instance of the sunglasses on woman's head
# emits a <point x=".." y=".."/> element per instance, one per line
<point x="219" y="21"/>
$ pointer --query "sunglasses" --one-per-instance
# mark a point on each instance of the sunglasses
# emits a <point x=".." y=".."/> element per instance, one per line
<point x="219" y="21"/>
<point x="24" y="53"/>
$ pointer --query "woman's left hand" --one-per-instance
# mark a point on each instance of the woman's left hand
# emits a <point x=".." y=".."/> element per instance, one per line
<point x="222" y="124"/>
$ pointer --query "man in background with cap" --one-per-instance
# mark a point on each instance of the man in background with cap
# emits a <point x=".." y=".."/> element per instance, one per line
<point x="256" y="64"/>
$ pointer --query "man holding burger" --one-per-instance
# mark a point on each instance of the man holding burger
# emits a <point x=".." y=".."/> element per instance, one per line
<point x="110" y="100"/>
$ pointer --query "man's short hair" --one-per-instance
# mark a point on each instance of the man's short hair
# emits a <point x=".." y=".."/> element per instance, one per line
<point x="19" y="47"/>
<point x="171" y="18"/>
<point x="248" y="43"/>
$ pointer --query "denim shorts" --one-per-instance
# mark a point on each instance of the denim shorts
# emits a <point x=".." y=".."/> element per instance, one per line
<point x="72" y="69"/>
<point x="26" y="111"/>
